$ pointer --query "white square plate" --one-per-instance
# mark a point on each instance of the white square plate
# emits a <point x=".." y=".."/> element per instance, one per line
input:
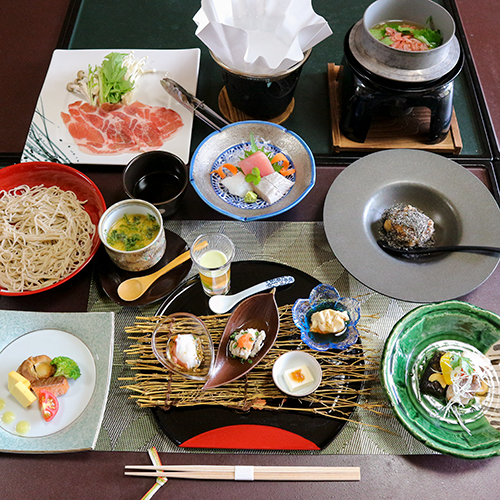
<point x="87" y="338"/>
<point x="48" y="138"/>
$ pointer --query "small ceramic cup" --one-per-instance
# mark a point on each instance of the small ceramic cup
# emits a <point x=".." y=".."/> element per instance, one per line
<point x="158" y="177"/>
<point x="135" y="260"/>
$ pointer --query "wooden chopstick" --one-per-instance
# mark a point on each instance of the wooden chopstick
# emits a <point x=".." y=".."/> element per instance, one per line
<point x="248" y="473"/>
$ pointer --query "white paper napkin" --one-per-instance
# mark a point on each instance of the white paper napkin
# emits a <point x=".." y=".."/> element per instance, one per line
<point x="260" y="37"/>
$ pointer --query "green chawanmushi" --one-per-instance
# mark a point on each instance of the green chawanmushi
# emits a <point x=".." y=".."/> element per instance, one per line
<point x="133" y="232"/>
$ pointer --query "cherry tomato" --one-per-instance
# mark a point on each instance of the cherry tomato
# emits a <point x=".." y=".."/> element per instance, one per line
<point x="49" y="405"/>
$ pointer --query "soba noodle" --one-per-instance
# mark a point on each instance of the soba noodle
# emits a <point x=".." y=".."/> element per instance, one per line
<point x="45" y="235"/>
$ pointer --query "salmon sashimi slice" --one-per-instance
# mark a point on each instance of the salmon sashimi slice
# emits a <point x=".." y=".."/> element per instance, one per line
<point x="116" y="128"/>
<point x="246" y="341"/>
<point x="56" y="385"/>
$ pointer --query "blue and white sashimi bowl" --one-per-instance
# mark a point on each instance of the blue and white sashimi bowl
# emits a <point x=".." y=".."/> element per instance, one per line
<point x="224" y="145"/>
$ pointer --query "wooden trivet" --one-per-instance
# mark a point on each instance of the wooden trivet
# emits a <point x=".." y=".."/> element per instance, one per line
<point x="233" y="114"/>
<point x="408" y="131"/>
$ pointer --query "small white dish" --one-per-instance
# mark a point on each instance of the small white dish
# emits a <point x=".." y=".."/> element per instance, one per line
<point x="295" y="359"/>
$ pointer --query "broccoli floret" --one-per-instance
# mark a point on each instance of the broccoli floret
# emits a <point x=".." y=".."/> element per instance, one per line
<point x="66" y="366"/>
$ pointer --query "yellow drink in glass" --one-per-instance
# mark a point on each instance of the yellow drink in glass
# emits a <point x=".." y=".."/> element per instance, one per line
<point x="213" y="261"/>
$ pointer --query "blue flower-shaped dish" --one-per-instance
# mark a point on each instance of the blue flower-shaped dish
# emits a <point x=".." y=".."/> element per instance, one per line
<point x="326" y="297"/>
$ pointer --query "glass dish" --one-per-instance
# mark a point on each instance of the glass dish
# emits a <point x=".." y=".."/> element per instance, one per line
<point x="326" y="297"/>
<point x="164" y="338"/>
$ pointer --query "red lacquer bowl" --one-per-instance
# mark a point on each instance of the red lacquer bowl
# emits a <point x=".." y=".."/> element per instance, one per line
<point x="67" y="178"/>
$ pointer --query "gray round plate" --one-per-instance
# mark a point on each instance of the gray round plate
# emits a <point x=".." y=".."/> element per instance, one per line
<point x="463" y="210"/>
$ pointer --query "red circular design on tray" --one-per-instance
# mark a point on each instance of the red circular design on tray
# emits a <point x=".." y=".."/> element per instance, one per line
<point x="250" y="437"/>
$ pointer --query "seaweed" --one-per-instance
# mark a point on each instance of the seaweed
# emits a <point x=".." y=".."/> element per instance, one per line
<point x="433" y="388"/>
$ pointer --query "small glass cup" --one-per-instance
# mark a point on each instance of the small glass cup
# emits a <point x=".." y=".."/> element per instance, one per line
<point x="212" y="254"/>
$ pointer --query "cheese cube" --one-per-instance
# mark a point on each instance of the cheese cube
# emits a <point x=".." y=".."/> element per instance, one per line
<point x="298" y="377"/>
<point x="15" y="377"/>
<point x="23" y="394"/>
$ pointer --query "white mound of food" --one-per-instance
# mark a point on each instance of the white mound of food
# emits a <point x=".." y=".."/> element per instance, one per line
<point x="187" y="351"/>
<point x="247" y="343"/>
<point x="273" y="187"/>
<point x="328" y="321"/>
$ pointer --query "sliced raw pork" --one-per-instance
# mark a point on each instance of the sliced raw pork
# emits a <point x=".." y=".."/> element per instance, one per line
<point x="113" y="129"/>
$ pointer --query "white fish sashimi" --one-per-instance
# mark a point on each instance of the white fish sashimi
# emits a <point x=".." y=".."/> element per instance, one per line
<point x="273" y="187"/>
<point x="237" y="185"/>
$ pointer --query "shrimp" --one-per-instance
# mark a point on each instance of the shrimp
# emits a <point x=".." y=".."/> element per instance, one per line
<point x="404" y="42"/>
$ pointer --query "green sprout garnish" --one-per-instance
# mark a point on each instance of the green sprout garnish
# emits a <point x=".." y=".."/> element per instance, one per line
<point x="254" y="176"/>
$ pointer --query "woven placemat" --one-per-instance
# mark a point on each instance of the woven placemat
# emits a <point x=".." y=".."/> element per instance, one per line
<point x="302" y="245"/>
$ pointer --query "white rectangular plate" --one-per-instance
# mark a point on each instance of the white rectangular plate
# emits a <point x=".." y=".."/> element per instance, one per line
<point x="85" y="337"/>
<point x="48" y="138"/>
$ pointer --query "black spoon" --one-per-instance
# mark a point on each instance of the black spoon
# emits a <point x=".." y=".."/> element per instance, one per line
<point x="442" y="249"/>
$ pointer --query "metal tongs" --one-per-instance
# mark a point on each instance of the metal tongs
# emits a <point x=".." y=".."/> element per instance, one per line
<point x="192" y="103"/>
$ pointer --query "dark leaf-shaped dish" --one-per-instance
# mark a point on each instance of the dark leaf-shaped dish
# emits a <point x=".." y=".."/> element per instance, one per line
<point x="259" y="312"/>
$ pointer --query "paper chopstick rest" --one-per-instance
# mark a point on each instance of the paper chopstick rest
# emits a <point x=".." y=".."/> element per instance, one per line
<point x="160" y="480"/>
<point x="247" y="473"/>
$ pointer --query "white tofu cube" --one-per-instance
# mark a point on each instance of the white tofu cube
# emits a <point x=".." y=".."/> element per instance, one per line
<point x="298" y="377"/>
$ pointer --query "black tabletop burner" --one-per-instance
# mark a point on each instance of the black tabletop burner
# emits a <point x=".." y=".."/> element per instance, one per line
<point x="365" y="95"/>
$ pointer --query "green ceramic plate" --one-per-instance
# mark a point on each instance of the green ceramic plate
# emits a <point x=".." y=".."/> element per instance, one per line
<point x="446" y="325"/>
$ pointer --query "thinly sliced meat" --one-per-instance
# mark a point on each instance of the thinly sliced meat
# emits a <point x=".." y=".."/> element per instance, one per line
<point x="81" y="130"/>
<point x="116" y="129"/>
<point x="119" y="132"/>
<point x="149" y="135"/>
<point x="167" y="120"/>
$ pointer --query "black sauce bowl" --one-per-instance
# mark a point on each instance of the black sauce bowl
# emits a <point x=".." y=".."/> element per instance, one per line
<point x="159" y="177"/>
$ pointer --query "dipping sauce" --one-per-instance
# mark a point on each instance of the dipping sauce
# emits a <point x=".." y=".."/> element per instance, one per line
<point x="23" y="427"/>
<point x="158" y="187"/>
<point x="133" y="232"/>
<point x="8" y="417"/>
